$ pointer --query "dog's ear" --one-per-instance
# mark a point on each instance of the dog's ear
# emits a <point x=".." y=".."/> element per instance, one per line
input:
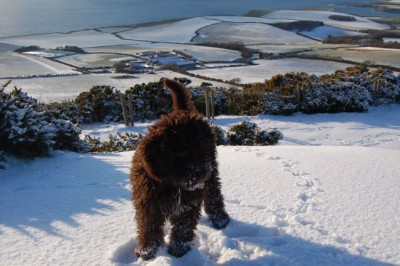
<point x="157" y="160"/>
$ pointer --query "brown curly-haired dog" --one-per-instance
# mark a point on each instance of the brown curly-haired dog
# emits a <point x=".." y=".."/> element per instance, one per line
<point x="174" y="171"/>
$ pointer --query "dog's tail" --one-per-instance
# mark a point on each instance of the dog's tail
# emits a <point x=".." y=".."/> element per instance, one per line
<point x="181" y="97"/>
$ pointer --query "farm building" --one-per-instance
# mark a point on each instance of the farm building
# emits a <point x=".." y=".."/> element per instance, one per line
<point x="138" y="66"/>
<point x="180" y="62"/>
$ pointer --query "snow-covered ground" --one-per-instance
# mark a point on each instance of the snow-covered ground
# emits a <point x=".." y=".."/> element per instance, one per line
<point x="248" y="33"/>
<point x="15" y="64"/>
<point x="64" y="88"/>
<point x="359" y="24"/>
<point x="304" y="202"/>
<point x="87" y="38"/>
<point x="320" y="33"/>
<point x="375" y="55"/>
<point x="265" y="69"/>
<point x="179" y="32"/>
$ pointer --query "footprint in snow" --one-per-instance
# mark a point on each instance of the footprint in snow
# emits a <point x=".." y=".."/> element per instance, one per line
<point x="124" y="253"/>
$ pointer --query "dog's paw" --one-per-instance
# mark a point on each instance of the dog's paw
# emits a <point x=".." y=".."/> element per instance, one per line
<point x="146" y="253"/>
<point x="178" y="249"/>
<point x="220" y="220"/>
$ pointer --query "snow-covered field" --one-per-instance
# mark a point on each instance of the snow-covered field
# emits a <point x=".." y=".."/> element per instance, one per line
<point x="87" y="38"/>
<point x="94" y="60"/>
<point x="179" y="32"/>
<point x="359" y="24"/>
<point x="320" y="33"/>
<point x="15" y="64"/>
<point x="64" y="88"/>
<point x="265" y="69"/>
<point x="296" y="204"/>
<point x="248" y="33"/>
<point x="389" y="57"/>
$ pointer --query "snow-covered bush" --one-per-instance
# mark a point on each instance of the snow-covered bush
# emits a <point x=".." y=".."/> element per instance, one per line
<point x="23" y="130"/>
<point x="150" y="100"/>
<point x="219" y="135"/>
<point x="276" y="104"/>
<point x="99" y="104"/>
<point x="27" y="131"/>
<point x="66" y="136"/>
<point x="268" y="137"/>
<point x="115" y="143"/>
<point x="339" y="97"/>
<point x="242" y="134"/>
<point x="249" y="134"/>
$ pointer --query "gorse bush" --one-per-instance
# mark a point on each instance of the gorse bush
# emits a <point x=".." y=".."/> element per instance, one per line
<point x="242" y="134"/>
<point x="349" y="90"/>
<point x="249" y="134"/>
<point x="27" y="131"/>
<point x="115" y="143"/>
<point x="219" y="135"/>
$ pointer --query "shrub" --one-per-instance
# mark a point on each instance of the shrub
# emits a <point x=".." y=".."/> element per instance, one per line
<point x="342" y="18"/>
<point x="242" y="134"/>
<point x="268" y="137"/>
<point x="100" y="104"/>
<point x="150" y="100"/>
<point x="276" y="104"/>
<point x="249" y="134"/>
<point x="340" y="97"/>
<point x="28" y="132"/>
<point x="119" y="142"/>
<point x="23" y="131"/>
<point x="300" y="25"/>
<point x="219" y="135"/>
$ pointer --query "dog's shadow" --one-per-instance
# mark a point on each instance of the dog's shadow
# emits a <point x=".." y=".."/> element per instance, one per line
<point x="243" y="243"/>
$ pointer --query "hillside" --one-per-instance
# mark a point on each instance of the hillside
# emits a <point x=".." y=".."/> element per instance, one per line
<point x="293" y="204"/>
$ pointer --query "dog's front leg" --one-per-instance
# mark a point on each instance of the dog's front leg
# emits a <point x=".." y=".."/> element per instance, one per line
<point x="150" y="221"/>
<point x="214" y="201"/>
<point x="183" y="228"/>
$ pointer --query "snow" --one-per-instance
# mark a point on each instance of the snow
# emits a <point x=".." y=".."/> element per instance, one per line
<point x="179" y="32"/>
<point x="391" y="40"/>
<point x="248" y="33"/>
<point x="82" y="39"/>
<point x="53" y="89"/>
<point x="240" y="19"/>
<point x="320" y="33"/>
<point x="265" y="69"/>
<point x="15" y="64"/>
<point x="304" y="202"/>
<point x="358" y="24"/>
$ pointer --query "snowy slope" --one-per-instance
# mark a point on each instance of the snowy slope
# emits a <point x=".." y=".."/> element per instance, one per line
<point x="248" y="33"/>
<point x="265" y="69"/>
<point x="320" y="33"/>
<point x="292" y="204"/>
<point x="358" y="24"/>
<point x="179" y="32"/>
<point x="289" y="205"/>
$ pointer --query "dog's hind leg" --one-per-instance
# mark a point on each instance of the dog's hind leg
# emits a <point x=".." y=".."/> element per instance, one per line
<point x="183" y="229"/>
<point x="214" y="201"/>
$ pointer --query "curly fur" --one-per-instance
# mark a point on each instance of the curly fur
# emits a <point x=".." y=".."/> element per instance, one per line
<point x="174" y="171"/>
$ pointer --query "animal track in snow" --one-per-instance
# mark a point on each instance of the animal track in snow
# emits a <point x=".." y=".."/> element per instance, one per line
<point x="307" y="202"/>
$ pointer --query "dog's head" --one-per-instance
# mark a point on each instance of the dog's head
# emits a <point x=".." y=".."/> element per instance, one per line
<point x="180" y="150"/>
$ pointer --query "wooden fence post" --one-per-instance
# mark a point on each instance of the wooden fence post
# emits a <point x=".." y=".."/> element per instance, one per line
<point x="207" y="102"/>
<point x="377" y="87"/>
<point x="212" y="104"/>
<point x="130" y="105"/>
<point x="124" y="111"/>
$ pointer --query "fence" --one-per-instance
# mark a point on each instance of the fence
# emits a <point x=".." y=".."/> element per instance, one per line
<point x="128" y="106"/>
